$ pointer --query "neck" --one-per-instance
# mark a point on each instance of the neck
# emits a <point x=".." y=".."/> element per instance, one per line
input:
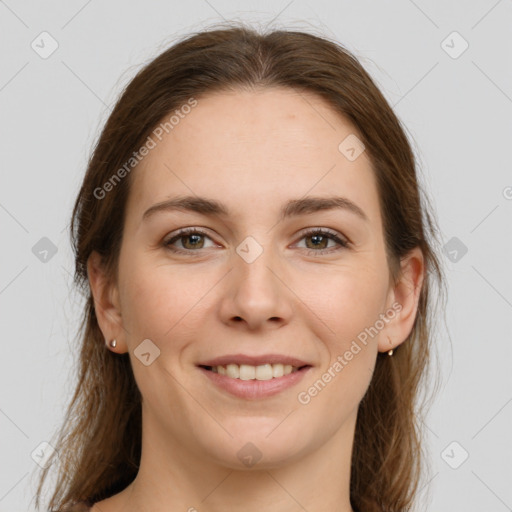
<point x="172" y="476"/>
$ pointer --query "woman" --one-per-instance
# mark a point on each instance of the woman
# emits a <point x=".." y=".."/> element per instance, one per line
<point x="258" y="263"/>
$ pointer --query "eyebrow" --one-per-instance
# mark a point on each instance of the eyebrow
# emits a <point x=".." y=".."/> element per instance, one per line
<point x="292" y="208"/>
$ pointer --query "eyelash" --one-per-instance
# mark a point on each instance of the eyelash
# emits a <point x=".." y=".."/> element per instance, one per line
<point x="314" y="231"/>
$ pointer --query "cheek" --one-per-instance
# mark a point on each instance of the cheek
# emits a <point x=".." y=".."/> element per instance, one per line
<point x="351" y="304"/>
<point x="354" y="300"/>
<point x="160" y="299"/>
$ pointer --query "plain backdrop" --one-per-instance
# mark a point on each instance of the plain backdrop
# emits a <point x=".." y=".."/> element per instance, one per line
<point x="445" y="67"/>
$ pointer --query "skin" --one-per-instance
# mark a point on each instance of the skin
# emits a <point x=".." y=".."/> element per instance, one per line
<point x="252" y="151"/>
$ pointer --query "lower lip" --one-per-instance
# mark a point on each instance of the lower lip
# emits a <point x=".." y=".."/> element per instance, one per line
<point x="254" y="389"/>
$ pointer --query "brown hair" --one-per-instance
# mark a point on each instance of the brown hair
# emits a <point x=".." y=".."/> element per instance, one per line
<point x="100" y="442"/>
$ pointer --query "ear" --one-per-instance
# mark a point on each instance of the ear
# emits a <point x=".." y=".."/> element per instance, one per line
<point x="403" y="298"/>
<point x="106" y="303"/>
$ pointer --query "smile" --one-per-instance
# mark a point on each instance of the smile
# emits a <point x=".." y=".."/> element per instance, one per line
<point x="265" y="371"/>
<point x="254" y="382"/>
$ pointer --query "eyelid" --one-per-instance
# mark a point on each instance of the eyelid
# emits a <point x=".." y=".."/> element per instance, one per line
<point x="342" y="241"/>
<point x="325" y="231"/>
<point x="180" y="233"/>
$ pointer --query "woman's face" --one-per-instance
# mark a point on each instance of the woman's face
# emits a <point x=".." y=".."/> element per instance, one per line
<point x="253" y="283"/>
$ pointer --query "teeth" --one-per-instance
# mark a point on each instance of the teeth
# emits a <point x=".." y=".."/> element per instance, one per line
<point x="264" y="372"/>
<point x="233" y="371"/>
<point x="248" y="372"/>
<point x="277" y="370"/>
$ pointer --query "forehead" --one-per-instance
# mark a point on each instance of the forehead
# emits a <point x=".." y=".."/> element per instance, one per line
<point x="254" y="149"/>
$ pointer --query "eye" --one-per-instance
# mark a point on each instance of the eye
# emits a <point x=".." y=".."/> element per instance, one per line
<point x="190" y="239"/>
<point x="320" y="237"/>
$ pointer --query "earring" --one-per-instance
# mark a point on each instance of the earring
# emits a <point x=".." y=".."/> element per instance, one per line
<point x="390" y="352"/>
<point x="113" y="343"/>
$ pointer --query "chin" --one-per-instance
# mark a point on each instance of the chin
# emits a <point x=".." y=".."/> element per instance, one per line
<point x="257" y="447"/>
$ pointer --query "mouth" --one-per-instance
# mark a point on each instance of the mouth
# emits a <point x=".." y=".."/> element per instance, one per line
<point x="253" y="378"/>
<point x="264" y="371"/>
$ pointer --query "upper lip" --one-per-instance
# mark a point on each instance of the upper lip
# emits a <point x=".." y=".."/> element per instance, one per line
<point x="254" y="360"/>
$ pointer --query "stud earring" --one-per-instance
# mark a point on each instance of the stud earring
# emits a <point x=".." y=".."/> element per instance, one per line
<point x="390" y="352"/>
<point x="113" y="343"/>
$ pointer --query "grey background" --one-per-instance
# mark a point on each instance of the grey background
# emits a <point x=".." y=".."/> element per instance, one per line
<point x="456" y="106"/>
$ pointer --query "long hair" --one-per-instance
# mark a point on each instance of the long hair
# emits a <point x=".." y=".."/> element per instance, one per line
<point x="99" y="444"/>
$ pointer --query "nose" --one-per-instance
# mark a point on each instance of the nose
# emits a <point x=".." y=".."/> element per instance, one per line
<point x="256" y="294"/>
